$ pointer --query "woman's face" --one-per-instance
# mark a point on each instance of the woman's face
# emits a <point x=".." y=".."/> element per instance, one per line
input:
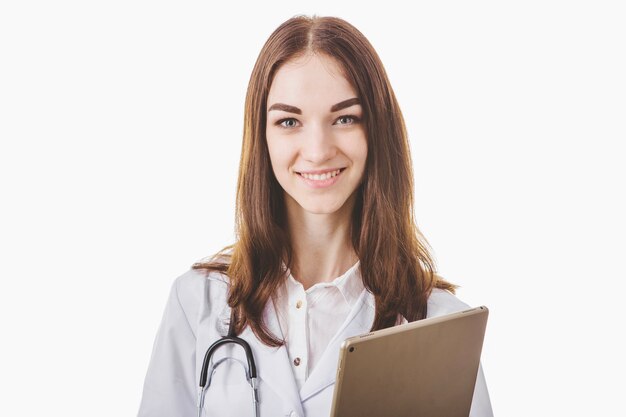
<point x="317" y="143"/>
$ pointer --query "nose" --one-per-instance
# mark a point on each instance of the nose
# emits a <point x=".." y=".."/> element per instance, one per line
<point x="318" y="145"/>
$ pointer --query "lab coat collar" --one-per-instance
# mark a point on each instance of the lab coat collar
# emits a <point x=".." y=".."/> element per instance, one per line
<point x="359" y="321"/>
<point x="273" y="363"/>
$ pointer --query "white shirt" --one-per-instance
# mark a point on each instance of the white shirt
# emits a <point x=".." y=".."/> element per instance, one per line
<point x="310" y="319"/>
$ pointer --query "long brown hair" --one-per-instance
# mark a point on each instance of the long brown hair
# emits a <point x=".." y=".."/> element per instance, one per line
<point x="394" y="261"/>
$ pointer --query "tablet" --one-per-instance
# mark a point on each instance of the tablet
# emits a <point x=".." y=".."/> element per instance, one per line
<point x="425" y="368"/>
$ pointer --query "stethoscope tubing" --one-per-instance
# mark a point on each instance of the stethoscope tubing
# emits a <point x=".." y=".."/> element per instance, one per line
<point x="251" y="373"/>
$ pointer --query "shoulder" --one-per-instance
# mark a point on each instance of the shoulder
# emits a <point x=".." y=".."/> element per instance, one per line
<point x="196" y="290"/>
<point x="195" y="281"/>
<point x="442" y="302"/>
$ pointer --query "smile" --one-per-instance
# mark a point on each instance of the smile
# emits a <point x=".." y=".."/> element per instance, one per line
<point x="318" y="177"/>
<point x="321" y="179"/>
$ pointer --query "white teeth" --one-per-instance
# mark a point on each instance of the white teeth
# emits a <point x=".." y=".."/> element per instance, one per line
<point x="321" y="177"/>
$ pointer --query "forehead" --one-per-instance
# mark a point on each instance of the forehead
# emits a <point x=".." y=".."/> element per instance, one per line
<point x="310" y="80"/>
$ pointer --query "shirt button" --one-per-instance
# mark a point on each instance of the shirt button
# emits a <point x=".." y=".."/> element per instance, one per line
<point x="296" y="361"/>
<point x="299" y="304"/>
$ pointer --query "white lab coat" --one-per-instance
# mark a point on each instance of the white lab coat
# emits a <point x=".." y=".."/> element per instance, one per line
<point x="195" y="317"/>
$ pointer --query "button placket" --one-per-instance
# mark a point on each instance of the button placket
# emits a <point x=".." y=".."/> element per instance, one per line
<point x="298" y="349"/>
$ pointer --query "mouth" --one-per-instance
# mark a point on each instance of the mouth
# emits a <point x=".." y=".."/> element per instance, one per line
<point x="321" y="175"/>
<point x="321" y="179"/>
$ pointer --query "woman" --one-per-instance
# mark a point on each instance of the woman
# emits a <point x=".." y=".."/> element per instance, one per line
<point x="327" y="245"/>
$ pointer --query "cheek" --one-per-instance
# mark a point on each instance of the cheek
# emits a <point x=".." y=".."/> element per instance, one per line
<point x="279" y="156"/>
<point x="359" y="150"/>
<point x="272" y="150"/>
<point x="363" y="154"/>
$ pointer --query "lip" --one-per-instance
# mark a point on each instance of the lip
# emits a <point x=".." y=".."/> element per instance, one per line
<point x="320" y="171"/>
<point x="321" y="183"/>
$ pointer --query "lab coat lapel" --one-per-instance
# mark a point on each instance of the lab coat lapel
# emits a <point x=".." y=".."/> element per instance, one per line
<point x="273" y="365"/>
<point x="359" y="321"/>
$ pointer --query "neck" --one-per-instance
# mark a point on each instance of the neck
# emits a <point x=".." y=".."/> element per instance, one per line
<point x="321" y="244"/>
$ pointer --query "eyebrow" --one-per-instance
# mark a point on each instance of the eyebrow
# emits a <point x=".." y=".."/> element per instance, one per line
<point x="335" y="107"/>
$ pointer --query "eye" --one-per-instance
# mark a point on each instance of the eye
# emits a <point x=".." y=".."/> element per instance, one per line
<point x="288" y="123"/>
<point x="347" y="120"/>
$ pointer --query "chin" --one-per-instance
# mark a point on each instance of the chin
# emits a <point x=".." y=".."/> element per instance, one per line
<point x="319" y="210"/>
<point x="318" y="207"/>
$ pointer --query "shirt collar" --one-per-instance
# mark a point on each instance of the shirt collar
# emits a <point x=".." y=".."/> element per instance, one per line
<point x="349" y="284"/>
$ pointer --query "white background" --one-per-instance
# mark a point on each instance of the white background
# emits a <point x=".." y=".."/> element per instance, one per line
<point x="120" y="128"/>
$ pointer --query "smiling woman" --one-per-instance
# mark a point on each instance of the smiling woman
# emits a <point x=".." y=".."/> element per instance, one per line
<point x="327" y="247"/>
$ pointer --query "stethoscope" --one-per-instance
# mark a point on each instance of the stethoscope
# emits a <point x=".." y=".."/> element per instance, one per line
<point x="205" y="375"/>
